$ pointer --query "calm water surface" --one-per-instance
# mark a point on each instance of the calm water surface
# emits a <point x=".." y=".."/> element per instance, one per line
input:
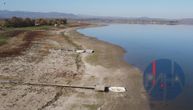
<point x="145" y="43"/>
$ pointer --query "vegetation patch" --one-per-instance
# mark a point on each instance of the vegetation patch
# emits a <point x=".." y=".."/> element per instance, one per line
<point x="92" y="106"/>
<point x="20" y="41"/>
<point x="4" y="36"/>
<point x="93" y="59"/>
<point x="31" y="28"/>
<point x="3" y="40"/>
<point x="67" y="38"/>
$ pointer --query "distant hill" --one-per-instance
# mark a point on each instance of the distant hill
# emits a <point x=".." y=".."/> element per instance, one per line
<point x="187" y="21"/>
<point x="88" y="18"/>
<point x="23" y="14"/>
<point x="161" y="21"/>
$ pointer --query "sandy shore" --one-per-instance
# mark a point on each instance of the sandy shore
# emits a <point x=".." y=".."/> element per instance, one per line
<point x="47" y="61"/>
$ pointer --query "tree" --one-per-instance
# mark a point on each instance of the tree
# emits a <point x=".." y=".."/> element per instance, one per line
<point x="40" y="21"/>
<point x="29" y="22"/>
<point x="17" y="22"/>
<point x="20" y="22"/>
<point x="2" y="23"/>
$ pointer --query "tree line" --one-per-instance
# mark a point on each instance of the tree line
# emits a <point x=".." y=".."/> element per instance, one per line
<point x="26" y="22"/>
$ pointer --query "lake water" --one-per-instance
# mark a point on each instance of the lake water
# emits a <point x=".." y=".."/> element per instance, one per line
<point x="147" y="43"/>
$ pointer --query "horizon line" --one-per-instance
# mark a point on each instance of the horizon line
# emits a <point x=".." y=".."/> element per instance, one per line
<point x="100" y="16"/>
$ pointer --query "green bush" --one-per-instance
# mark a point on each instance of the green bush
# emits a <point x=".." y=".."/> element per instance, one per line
<point x="3" y="40"/>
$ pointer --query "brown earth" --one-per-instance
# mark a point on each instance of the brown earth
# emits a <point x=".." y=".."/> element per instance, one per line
<point x="44" y="58"/>
<point x="19" y="42"/>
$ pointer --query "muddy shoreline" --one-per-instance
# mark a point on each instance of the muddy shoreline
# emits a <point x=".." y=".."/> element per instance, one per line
<point x="113" y="54"/>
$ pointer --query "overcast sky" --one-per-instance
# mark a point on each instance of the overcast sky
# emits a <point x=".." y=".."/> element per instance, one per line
<point x="121" y="8"/>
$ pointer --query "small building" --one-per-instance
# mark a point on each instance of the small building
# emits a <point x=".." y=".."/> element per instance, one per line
<point x="80" y="51"/>
<point x="55" y="25"/>
<point x="37" y="24"/>
<point x="85" y="51"/>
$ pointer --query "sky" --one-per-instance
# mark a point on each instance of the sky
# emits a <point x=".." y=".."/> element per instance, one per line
<point x="116" y="8"/>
